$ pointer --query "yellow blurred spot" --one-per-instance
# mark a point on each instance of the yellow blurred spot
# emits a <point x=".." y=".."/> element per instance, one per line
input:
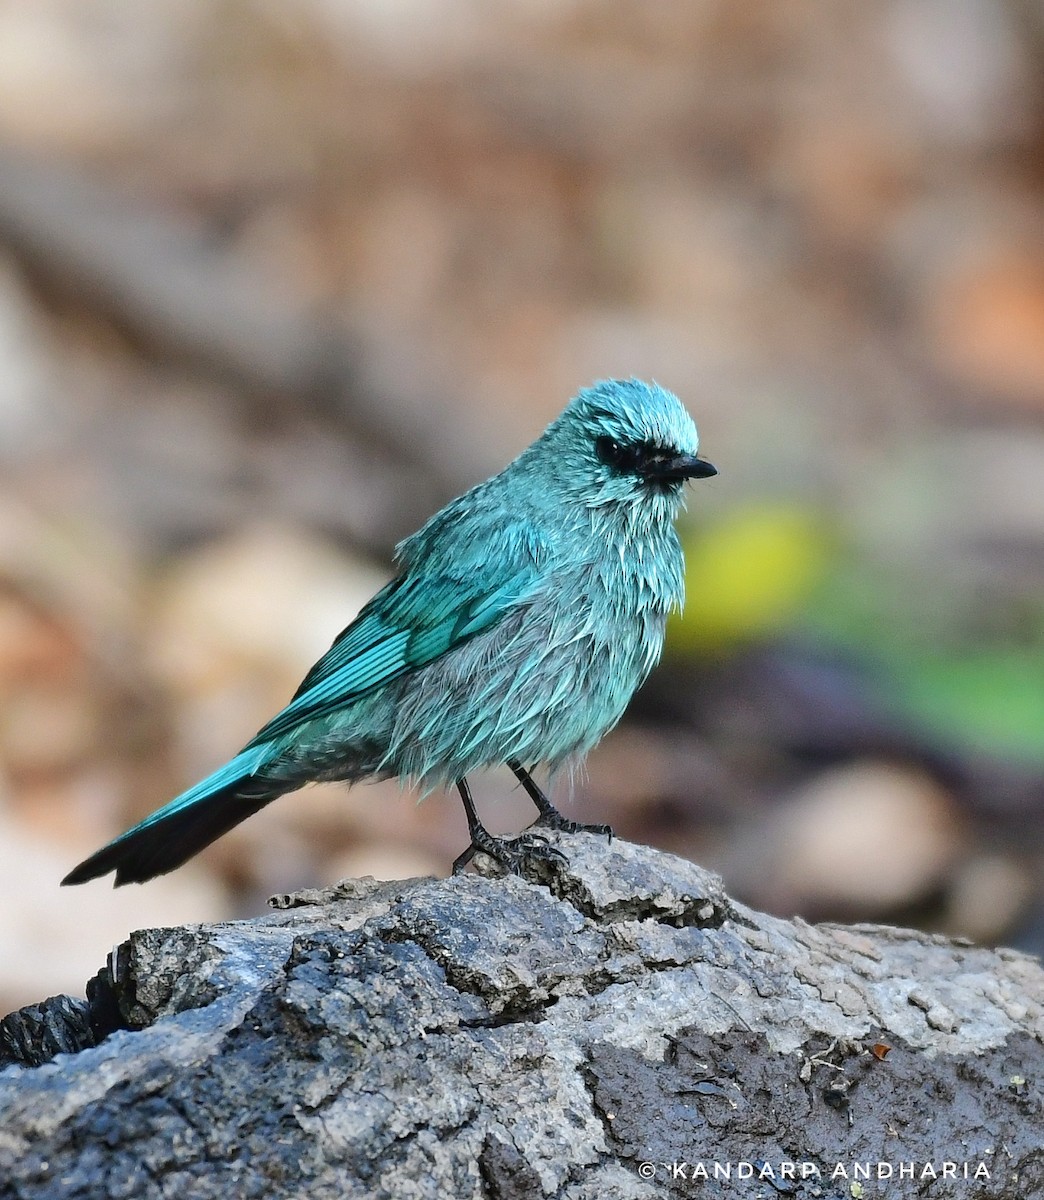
<point x="748" y="575"/>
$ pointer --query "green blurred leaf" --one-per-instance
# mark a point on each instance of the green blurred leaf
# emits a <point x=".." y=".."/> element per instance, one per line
<point x="990" y="700"/>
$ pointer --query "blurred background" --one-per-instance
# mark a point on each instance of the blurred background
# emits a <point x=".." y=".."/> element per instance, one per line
<point x="278" y="279"/>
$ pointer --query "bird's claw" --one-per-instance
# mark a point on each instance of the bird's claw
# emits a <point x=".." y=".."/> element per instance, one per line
<point x="510" y="853"/>
<point x="555" y="820"/>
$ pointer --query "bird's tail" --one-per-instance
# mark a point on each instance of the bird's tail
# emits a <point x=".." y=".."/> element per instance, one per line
<point x="173" y="833"/>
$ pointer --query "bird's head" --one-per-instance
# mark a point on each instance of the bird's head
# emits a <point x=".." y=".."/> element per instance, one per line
<point x="628" y="442"/>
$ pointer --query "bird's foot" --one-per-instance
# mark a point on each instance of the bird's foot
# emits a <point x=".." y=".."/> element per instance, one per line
<point x="553" y="819"/>
<point x="550" y="817"/>
<point x="511" y="853"/>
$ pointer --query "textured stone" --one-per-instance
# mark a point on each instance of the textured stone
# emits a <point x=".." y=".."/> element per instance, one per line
<point x="580" y="1032"/>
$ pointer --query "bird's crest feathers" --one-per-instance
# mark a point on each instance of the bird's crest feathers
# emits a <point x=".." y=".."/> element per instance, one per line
<point x="632" y="411"/>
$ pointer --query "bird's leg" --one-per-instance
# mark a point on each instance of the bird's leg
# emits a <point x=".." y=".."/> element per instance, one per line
<point x="550" y="817"/>
<point x="510" y="853"/>
<point x="476" y="829"/>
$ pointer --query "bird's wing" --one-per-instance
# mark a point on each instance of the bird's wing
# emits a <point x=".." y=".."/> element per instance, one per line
<point x="412" y="621"/>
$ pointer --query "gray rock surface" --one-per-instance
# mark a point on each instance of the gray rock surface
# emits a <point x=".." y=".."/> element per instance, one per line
<point x="611" y="1026"/>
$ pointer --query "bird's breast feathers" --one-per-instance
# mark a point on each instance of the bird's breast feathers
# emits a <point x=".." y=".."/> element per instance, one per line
<point x="605" y="621"/>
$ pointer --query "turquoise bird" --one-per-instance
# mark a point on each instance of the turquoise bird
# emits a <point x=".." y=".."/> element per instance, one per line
<point x="523" y="617"/>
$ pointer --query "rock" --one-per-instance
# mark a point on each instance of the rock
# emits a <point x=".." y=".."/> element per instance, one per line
<point x="599" y="1028"/>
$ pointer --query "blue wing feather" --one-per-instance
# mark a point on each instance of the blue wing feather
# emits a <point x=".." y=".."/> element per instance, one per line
<point x="412" y="621"/>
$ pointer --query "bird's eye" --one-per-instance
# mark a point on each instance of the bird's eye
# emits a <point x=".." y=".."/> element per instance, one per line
<point x="617" y="455"/>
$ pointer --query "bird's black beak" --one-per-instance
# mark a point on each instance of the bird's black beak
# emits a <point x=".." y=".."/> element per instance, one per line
<point x="680" y="466"/>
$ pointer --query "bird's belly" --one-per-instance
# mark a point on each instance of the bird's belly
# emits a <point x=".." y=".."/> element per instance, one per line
<point x="596" y="685"/>
<point x="544" y="687"/>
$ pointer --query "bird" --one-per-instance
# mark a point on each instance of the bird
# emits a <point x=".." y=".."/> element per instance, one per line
<point x="521" y="619"/>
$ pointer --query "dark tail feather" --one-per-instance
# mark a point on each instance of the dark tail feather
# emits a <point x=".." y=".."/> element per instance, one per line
<point x="172" y="834"/>
<point x="143" y="853"/>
